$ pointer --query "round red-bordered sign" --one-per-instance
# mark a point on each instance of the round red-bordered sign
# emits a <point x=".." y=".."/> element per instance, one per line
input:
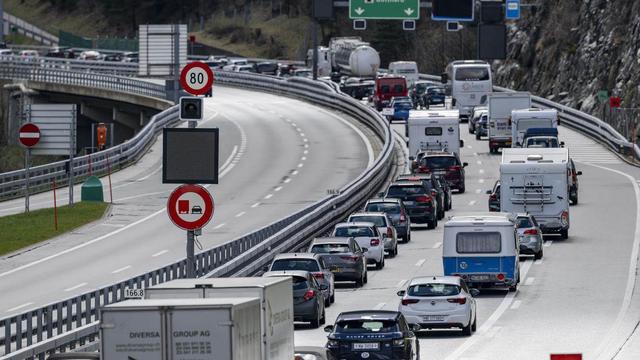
<point x="196" y="78"/>
<point x="29" y="134"/>
<point x="190" y="207"/>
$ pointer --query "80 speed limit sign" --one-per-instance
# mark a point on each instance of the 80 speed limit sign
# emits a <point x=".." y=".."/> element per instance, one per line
<point x="196" y="78"/>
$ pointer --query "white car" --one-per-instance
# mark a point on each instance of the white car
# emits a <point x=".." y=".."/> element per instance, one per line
<point x="384" y="224"/>
<point x="232" y="62"/>
<point x="367" y="235"/>
<point x="439" y="302"/>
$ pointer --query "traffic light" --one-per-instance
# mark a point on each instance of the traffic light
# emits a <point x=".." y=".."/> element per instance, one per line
<point x="190" y="108"/>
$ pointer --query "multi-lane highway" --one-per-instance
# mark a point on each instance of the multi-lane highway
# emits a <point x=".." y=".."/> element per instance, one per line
<point x="572" y="301"/>
<point x="277" y="156"/>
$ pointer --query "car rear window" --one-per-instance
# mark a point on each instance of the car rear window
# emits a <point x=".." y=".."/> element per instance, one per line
<point x="436" y="162"/>
<point x="405" y="190"/>
<point x="353" y="231"/>
<point x="478" y="243"/>
<point x="366" y="326"/>
<point x="524" y="222"/>
<point x="377" y="220"/>
<point x="295" y="264"/>
<point x="330" y="249"/>
<point x="299" y="283"/>
<point x="389" y="208"/>
<point x="433" y="290"/>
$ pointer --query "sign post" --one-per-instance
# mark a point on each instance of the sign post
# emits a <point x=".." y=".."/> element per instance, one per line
<point x="29" y="136"/>
<point x="384" y="10"/>
<point x="190" y="207"/>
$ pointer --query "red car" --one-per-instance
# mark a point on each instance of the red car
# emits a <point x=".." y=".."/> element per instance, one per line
<point x="447" y="165"/>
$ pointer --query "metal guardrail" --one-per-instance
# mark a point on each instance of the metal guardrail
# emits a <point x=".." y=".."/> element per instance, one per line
<point x="22" y="334"/>
<point x="29" y="30"/>
<point x="93" y="66"/>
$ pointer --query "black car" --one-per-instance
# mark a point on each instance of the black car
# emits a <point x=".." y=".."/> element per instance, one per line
<point x="448" y="197"/>
<point x="267" y="68"/>
<point x="494" y="197"/>
<point x="417" y="199"/>
<point x="372" y="334"/>
<point x="445" y="164"/>
<point x="433" y="185"/>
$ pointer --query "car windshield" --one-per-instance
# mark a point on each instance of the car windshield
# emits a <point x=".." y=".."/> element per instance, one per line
<point x="366" y="326"/>
<point x="329" y="249"/>
<point x="438" y="91"/>
<point x="295" y="264"/>
<point x="389" y="208"/>
<point x="377" y="220"/>
<point x="438" y="162"/>
<point x="405" y="190"/>
<point x="353" y="231"/>
<point x="403" y="105"/>
<point x="524" y="222"/>
<point x="433" y="290"/>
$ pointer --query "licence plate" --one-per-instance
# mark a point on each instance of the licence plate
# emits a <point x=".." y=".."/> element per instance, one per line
<point x="433" y="318"/>
<point x="479" y="277"/>
<point x="336" y="270"/>
<point x="365" y="346"/>
<point x="508" y="142"/>
<point x="409" y="203"/>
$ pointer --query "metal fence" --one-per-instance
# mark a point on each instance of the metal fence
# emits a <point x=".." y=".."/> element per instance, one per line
<point x="29" y="30"/>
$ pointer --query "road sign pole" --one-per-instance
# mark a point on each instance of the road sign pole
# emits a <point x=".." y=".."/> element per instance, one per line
<point x="314" y="33"/>
<point x="191" y="256"/>
<point x="27" y="166"/>
<point x="71" y="181"/>
<point x="176" y="59"/>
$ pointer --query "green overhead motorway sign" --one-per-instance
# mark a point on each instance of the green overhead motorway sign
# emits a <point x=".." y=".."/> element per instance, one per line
<point x="384" y="9"/>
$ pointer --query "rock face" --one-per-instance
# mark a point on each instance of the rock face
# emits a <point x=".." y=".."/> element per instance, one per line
<point x="567" y="50"/>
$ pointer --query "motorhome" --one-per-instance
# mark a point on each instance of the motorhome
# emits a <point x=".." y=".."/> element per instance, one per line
<point x="469" y="82"/>
<point x="535" y="181"/>
<point x="525" y="119"/>
<point x="500" y="107"/>
<point x="434" y="131"/>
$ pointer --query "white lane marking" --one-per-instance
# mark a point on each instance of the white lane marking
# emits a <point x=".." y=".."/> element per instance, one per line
<point x="364" y="138"/>
<point x="300" y="165"/>
<point x="475" y="154"/>
<point x="241" y="213"/>
<point x="302" y="134"/>
<point x="401" y="283"/>
<point x="277" y="189"/>
<point x="303" y="158"/>
<point x="529" y="281"/>
<point x="472" y="202"/>
<point x="631" y="275"/>
<point x="112" y="225"/>
<point x="516" y="304"/>
<point x="287" y="180"/>
<point x="150" y="174"/>
<point x="269" y="196"/>
<point x="493" y="331"/>
<point x="538" y="262"/>
<point x="162" y="252"/>
<point x="548" y="243"/>
<point x="305" y="140"/>
<point x="121" y="269"/>
<point x="481" y="171"/>
<point x="219" y="226"/>
<point x="294" y="172"/>
<point x="294" y="124"/>
<point x="19" y="307"/>
<point x="255" y="205"/>
<point x="76" y="287"/>
<point x="379" y="306"/>
<point x="481" y="181"/>
<point x="504" y="305"/>
<point x="479" y="162"/>
<point x="305" y="152"/>
<point x="140" y="195"/>
<point x="478" y="191"/>
<point x="469" y="147"/>
<point x="437" y="245"/>
<point x="420" y="262"/>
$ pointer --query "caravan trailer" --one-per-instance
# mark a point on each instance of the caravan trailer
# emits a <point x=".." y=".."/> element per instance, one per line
<point x="434" y="131"/>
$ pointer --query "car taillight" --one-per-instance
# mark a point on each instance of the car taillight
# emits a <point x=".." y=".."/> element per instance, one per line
<point x="423" y="169"/>
<point x="500" y="277"/>
<point x="406" y="302"/>
<point x="461" y="300"/>
<point x="455" y="168"/>
<point x="403" y="218"/>
<point x="531" y="232"/>
<point x="434" y="193"/>
<point x="309" y="295"/>
<point x="375" y="242"/>
<point x="318" y="275"/>
<point x="565" y="217"/>
<point x="349" y="258"/>
<point x="493" y="197"/>
<point x="389" y="233"/>
<point x="423" y="199"/>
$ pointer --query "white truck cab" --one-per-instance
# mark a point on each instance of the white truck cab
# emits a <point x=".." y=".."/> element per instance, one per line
<point x="434" y="131"/>
<point x="524" y="119"/>
<point x="408" y="69"/>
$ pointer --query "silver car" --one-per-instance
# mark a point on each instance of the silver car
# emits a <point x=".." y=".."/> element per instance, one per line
<point x="312" y="263"/>
<point x="529" y="235"/>
<point x="385" y="226"/>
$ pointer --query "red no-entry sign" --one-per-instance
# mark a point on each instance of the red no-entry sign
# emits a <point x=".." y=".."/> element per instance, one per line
<point x="190" y="207"/>
<point x="196" y="78"/>
<point x="29" y="134"/>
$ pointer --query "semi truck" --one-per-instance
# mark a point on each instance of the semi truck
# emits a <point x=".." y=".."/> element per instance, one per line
<point x="499" y="109"/>
<point x="181" y="329"/>
<point x="346" y="55"/>
<point x="276" y="299"/>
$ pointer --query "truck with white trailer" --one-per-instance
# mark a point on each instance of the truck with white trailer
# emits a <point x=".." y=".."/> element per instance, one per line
<point x="500" y="106"/>
<point x="434" y="131"/>
<point x="276" y="299"/>
<point x="181" y="329"/>
<point x="535" y="181"/>
<point x="525" y="119"/>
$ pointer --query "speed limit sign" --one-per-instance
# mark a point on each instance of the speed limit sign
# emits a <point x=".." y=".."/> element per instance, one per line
<point x="196" y="78"/>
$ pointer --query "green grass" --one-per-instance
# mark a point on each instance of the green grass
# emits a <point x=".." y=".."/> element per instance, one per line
<point x="21" y="230"/>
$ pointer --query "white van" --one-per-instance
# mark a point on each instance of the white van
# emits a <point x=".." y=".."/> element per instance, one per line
<point x="500" y="107"/>
<point x="535" y="181"/>
<point x="524" y="119"/>
<point x="408" y="69"/>
<point x="434" y="131"/>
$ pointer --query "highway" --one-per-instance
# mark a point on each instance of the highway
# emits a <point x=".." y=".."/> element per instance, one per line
<point x="572" y="301"/>
<point x="277" y="156"/>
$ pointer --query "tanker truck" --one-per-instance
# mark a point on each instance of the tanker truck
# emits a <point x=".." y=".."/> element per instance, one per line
<point x="347" y="55"/>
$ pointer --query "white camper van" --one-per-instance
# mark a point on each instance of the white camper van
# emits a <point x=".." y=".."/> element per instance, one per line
<point x="500" y="107"/>
<point x="434" y="131"/>
<point x="534" y="181"/>
<point x="524" y="119"/>
<point x="408" y="69"/>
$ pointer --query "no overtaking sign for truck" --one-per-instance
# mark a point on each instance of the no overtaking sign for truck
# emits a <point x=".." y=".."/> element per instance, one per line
<point x="384" y="9"/>
<point x="190" y="207"/>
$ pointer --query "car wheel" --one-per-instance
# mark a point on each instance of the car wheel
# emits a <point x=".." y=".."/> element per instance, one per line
<point x="564" y="234"/>
<point x="574" y="200"/>
<point x="461" y="190"/>
<point x="360" y="282"/>
<point x="539" y="254"/>
<point x="467" y="331"/>
<point x="323" y="320"/>
<point x="380" y="264"/>
<point x="441" y="214"/>
<point x="513" y="288"/>
<point x="474" y="327"/>
<point x="366" y="277"/>
<point x="315" y="323"/>
<point x="332" y="298"/>
<point x="477" y="135"/>
<point x="395" y="251"/>
<point x="327" y="302"/>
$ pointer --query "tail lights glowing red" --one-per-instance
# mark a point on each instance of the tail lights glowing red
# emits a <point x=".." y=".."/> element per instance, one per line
<point x="309" y="295"/>
<point x="375" y="242"/>
<point x="460" y="300"/>
<point x="531" y="232"/>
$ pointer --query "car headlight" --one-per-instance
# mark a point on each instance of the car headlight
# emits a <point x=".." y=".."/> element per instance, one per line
<point x="398" y="342"/>
<point x="333" y="343"/>
<point x="305" y="357"/>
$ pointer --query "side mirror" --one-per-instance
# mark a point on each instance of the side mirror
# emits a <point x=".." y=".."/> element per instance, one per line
<point x="488" y="192"/>
<point x="323" y="287"/>
<point x="364" y="250"/>
<point x="381" y="194"/>
<point x="465" y="164"/>
<point x="474" y="292"/>
<point x="444" y="78"/>
<point x="579" y="173"/>
<point x="412" y="158"/>
<point x="415" y="327"/>
<point x="561" y="143"/>
<point x="266" y="268"/>
<point x="401" y="292"/>
<point x="328" y="328"/>
<point x="461" y="143"/>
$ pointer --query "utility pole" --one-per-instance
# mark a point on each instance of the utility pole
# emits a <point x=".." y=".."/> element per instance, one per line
<point x="314" y="34"/>
<point x="1" y="21"/>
